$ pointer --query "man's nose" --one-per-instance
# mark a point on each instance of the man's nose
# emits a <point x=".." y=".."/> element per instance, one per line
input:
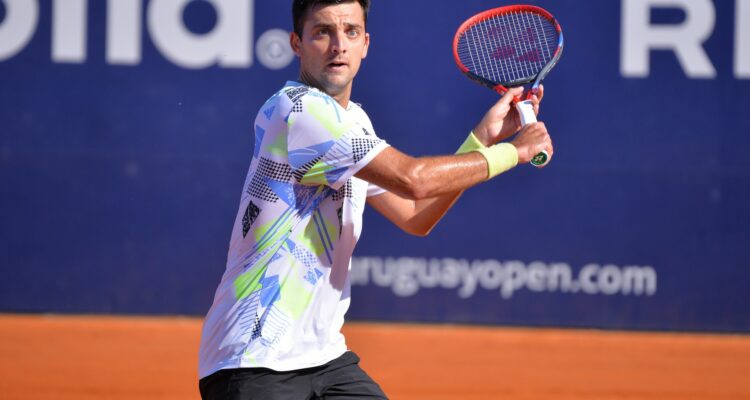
<point x="338" y="42"/>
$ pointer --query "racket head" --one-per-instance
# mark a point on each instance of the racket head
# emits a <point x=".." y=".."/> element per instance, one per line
<point x="509" y="46"/>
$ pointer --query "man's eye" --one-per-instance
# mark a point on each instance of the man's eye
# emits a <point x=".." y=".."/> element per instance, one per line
<point x="353" y="33"/>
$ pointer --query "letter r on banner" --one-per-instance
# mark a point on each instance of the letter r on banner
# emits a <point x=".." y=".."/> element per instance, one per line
<point x="686" y="40"/>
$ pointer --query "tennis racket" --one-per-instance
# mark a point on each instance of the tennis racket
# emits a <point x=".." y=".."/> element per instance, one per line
<point x="509" y="47"/>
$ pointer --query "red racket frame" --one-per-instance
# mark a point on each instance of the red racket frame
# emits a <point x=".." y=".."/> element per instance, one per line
<point x="500" y="87"/>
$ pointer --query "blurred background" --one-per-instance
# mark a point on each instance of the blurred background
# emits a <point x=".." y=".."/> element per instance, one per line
<point x="126" y="130"/>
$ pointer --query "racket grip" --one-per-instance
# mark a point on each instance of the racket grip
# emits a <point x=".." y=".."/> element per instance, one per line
<point x="526" y="111"/>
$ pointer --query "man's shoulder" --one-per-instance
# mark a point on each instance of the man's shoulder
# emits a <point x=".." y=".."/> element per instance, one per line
<point x="295" y="97"/>
<point x="296" y="92"/>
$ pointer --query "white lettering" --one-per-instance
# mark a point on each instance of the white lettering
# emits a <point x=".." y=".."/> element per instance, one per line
<point x="406" y="276"/>
<point x="470" y="279"/>
<point x="560" y="276"/>
<point x="69" y="24"/>
<point x="610" y="280"/>
<point x="124" y="32"/>
<point x="380" y="276"/>
<point x="405" y="269"/>
<point x="429" y="275"/>
<point x="515" y="278"/>
<point x="639" y="280"/>
<point x="491" y="274"/>
<point x="639" y="37"/>
<point x="537" y="279"/>
<point x="18" y="26"/>
<point x="360" y="271"/>
<point x="742" y="40"/>
<point x="227" y="45"/>
<point x="453" y="272"/>
<point x="586" y="278"/>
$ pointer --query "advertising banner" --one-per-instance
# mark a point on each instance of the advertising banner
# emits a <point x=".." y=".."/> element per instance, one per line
<point x="126" y="130"/>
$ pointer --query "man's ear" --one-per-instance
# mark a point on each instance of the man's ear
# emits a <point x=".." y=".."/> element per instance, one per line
<point x="367" y="45"/>
<point x="294" y="41"/>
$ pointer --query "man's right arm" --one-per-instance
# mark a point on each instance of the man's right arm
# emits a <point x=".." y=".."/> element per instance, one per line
<point x="429" y="177"/>
<point x="424" y="177"/>
<point x="422" y="190"/>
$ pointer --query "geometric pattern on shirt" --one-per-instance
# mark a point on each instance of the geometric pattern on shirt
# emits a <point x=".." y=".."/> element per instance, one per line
<point x="285" y="190"/>
<point x="300" y="172"/>
<point x="272" y="170"/>
<point x="297" y="93"/>
<point x="251" y="213"/>
<point x="310" y="261"/>
<point x="307" y="258"/>
<point x="270" y="293"/>
<point x="308" y="199"/>
<point x="313" y="275"/>
<point x="340" y="213"/>
<point x="345" y="192"/>
<point x="256" y="329"/>
<point x="299" y="157"/>
<point x="247" y="312"/>
<point x="274" y="327"/>
<point x="260" y="133"/>
<point x="361" y="146"/>
<point x="297" y="107"/>
<point x="269" y="112"/>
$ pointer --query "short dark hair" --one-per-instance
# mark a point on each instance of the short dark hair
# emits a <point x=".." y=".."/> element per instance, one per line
<point x="301" y="7"/>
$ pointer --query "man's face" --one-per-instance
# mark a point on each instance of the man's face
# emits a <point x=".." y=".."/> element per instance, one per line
<point x="332" y="47"/>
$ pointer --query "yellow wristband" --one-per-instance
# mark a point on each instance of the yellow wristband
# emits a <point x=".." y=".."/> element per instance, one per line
<point x="500" y="158"/>
<point x="470" y="144"/>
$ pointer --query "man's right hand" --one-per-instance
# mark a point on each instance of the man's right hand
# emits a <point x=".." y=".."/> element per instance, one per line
<point x="531" y="140"/>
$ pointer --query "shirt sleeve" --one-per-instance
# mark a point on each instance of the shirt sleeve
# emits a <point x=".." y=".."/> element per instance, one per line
<point x="374" y="190"/>
<point x="326" y="144"/>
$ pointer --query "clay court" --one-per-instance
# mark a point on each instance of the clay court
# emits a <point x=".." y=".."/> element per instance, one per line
<point x="75" y="357"/>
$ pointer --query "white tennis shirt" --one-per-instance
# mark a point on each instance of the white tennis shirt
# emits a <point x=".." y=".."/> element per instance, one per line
<point x="283" y="296"/>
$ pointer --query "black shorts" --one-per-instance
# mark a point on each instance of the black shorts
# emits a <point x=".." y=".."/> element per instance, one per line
<point x="339" y="379"/>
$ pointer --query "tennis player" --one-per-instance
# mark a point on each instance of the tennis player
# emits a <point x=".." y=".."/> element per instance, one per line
<point x="274" y="329"/>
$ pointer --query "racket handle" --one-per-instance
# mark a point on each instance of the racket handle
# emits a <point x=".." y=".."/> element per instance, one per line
<point x="526" y="111"/>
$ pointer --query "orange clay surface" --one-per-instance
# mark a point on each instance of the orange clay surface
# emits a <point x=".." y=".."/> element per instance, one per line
<point x="62" y="357"/>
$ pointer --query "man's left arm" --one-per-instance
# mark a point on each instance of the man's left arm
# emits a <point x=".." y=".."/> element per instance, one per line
<point x="416" y="217"/>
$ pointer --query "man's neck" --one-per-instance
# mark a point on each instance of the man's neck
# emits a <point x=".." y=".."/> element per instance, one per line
<point x="341" y="98"/>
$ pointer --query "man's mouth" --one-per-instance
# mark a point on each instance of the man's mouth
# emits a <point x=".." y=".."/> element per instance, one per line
<point x="337" y="65"/>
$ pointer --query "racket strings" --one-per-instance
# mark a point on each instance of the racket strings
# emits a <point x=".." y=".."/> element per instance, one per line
<point x="513" y="47"/>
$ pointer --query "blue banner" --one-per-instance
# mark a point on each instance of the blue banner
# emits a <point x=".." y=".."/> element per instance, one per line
<point x="126" y="132"/>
